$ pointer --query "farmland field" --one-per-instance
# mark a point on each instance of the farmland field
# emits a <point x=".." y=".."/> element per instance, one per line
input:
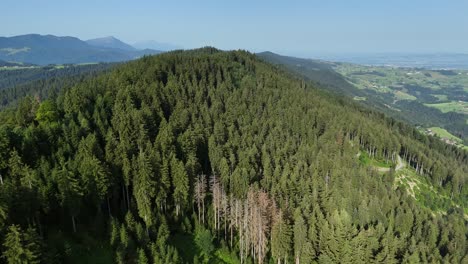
<point x="457" y="107"/>
<point x="427" y="98"/>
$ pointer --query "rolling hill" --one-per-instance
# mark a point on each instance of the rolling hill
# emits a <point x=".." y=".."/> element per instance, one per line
<point x="49" y="49"/>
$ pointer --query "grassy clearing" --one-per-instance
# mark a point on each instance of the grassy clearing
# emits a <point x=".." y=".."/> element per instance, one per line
<point x="442" y="133"/>
<point x="441" y="97"/>
<point x="359" y="98"/>
<point x="12" y="68"/>
<point x="367" y="161"/>
<point x="417" y="186"/>
<point x="13" y="51"/>
<point x="454" y="106"/>
<point x="87" y="63"/>
<point x="400" y="95"/>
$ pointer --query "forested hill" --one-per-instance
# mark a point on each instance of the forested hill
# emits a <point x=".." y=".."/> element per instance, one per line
<point x="321" y="72"/>
<point x="206" y="156"/>
<point x="43" y="82"/>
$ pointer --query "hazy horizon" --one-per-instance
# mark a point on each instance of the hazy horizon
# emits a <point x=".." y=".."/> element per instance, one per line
<point x="298" y="28"/>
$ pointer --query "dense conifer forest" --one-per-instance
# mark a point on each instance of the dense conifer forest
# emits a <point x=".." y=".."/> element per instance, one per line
<point x="207" y="156"/>
<point x="43" y="82"/>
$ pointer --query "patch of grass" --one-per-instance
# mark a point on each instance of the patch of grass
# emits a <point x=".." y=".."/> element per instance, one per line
<point x="366" y="160"/>
<point x="442" y="133"/>
<point x="441" y="97"/>
<point x="87" y="63"/>
<point x="429" y="196"/>
<point x="13" y="51"/>
<point x="400" y="95"/>
<point x="12" y="68"/>
<point x="454" y="106"/>
<point x="359" y="98"/>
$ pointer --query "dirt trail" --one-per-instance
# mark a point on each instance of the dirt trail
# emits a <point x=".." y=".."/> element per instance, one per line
<point x="400" y="164"/>
<point x="398" y="167"/>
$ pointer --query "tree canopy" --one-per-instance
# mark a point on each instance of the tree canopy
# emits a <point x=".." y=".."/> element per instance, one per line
<point x="229" y="153"/>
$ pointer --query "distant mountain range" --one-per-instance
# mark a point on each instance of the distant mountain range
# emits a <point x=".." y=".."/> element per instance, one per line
<point x="151" y="44"/>
<point x="49" y="49"/>
<point x="110" y="42"/>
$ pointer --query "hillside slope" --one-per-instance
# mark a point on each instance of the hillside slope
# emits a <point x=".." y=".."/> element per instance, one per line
<point x="42" y="82"/>
<point x="313" y="70"/>
<point x="203" y="155"/>
<point x="405" y="94"/>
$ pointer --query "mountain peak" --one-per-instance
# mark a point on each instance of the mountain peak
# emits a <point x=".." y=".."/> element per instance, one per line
<point x="109" y="42"/>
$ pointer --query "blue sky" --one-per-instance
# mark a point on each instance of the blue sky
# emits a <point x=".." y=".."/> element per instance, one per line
<point x="294" y="27"/>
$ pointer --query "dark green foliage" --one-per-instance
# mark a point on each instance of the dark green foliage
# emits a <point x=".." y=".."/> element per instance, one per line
<point x="21" y="246"/>
<point x="43" y="82"/>
<point x="117" y="158"/>
<point x="204" y="242"/>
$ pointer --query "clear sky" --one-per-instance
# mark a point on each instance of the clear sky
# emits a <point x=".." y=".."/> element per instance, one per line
<point x="296" y="27"/>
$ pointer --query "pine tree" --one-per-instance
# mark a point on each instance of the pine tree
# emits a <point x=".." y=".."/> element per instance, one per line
<point x="180" y="183"/>
<point x="280" y="237"/>
<point x="144" y="187"/>
<point x="142" y="259"/>
<point x="19" y="247"/>
<point x="300" y="237"/>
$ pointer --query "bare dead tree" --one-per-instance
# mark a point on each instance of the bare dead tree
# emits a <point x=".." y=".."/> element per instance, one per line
<point x="262" y="224"/>
<point x="203" y="195"/>
<point x="216" y="191"/>
<point x="225" y="210"/>
<point x="233" y="213"/>
<point x="200" y="194"/>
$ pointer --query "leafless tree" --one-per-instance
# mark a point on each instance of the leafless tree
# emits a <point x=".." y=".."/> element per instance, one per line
<point x="200" y="194"/>
<point x="217" y="192"/>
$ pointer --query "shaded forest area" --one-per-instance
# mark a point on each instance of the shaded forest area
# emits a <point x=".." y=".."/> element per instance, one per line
<point x="43" y="82"/>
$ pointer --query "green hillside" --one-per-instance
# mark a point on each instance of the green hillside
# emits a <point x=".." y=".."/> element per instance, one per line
<point x="43" y="82"/>
<point x="427" y="98"/>
<point x="206" y="156"/>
